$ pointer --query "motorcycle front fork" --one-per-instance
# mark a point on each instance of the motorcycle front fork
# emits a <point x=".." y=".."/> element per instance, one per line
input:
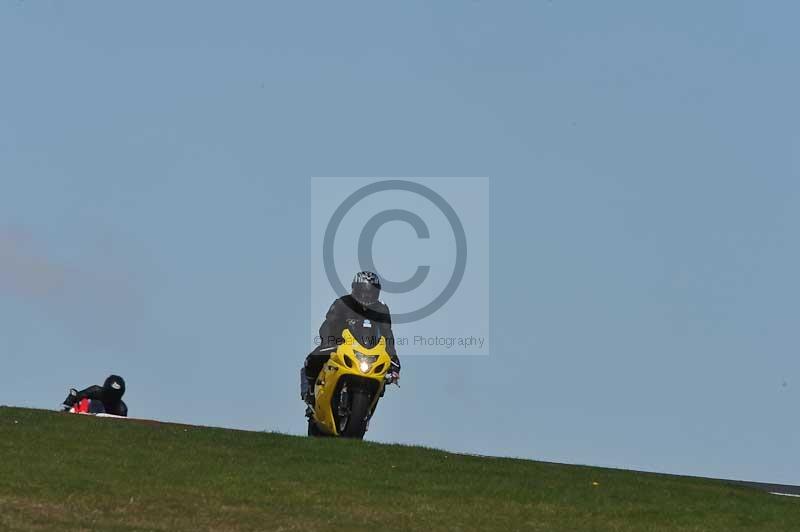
<point x="344" y="408"/>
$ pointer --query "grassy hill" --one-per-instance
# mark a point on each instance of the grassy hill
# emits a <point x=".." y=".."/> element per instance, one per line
<point x="60" y="472"/>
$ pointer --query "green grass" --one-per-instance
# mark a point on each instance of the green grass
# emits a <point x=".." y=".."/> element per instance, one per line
<point x="60" y="472"/>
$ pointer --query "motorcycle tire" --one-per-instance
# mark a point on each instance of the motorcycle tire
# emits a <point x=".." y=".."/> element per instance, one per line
<point x="359" y="414"/>
<point x="313" y="430"/>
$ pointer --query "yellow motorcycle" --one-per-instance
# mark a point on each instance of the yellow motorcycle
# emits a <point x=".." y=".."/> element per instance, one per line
<point x="349" y="386"/>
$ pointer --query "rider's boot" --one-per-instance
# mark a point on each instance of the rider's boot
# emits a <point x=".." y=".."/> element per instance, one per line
<point x="307" y="391"/>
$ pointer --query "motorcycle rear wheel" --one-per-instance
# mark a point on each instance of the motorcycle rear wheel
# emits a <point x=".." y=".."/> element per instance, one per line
<point x="313" y="430"/>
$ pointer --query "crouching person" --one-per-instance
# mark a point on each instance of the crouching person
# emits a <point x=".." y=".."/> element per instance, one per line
<point x="109" y="396"/>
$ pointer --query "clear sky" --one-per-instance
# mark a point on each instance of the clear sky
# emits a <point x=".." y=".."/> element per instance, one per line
<point x="155" y="165"/>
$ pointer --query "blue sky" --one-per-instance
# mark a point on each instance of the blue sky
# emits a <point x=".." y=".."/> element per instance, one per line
<point x="155" y="165"/>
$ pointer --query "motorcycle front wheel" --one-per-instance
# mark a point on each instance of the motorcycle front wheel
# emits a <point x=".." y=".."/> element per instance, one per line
<point x="356" y="424"/>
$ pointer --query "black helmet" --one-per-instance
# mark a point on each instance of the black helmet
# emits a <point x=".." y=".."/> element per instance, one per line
<point x="366" y="287"/>
<point x="114" y="386"/>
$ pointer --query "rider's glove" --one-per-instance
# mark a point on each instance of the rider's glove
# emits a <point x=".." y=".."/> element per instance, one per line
<point x="393" y="376"/>
<point x="394" y="371"/>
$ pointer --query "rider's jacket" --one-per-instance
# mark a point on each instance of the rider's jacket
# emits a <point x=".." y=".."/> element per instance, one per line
<point x="347" y="311"/>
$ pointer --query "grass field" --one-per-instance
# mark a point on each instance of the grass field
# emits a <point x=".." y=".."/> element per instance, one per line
<point x="61" y="473"/>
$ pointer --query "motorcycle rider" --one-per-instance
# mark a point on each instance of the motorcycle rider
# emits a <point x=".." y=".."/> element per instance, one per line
<point x="109" y="394"/>
<point x="361" y="305"/>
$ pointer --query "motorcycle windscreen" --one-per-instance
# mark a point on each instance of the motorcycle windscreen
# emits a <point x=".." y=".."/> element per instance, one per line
<point x="366" y="332"/>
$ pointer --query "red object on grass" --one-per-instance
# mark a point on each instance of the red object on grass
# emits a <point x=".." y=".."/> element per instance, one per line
<point x="82" y="407"/>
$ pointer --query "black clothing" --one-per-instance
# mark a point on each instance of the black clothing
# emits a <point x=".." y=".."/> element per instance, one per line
<point x="115" y="387"/>
<point x="112" y="401"/>
<point x="346" y="312"/>
<point x="370" y="321"/>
